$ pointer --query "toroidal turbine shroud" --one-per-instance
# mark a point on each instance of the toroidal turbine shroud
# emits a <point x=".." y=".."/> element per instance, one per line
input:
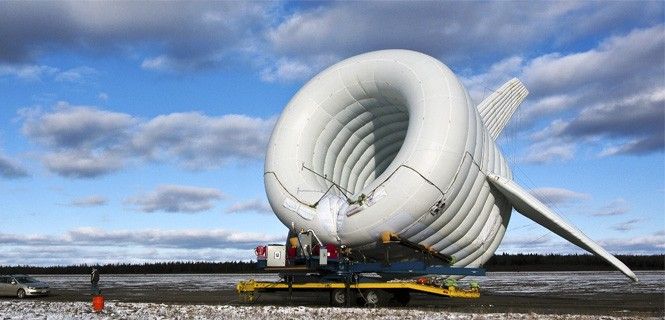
<point x="399" y="127"/>
<point x="390" y="141"/>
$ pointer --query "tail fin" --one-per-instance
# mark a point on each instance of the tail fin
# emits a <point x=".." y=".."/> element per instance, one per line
<point x="535" y="210"/>
<point x="497" y="109"/>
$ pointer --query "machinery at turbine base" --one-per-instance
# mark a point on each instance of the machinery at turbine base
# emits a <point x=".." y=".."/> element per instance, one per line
<point x="390" y="141"/>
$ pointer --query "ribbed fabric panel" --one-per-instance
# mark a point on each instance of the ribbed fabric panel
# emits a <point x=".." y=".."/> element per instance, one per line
<point x="497" y="109"/>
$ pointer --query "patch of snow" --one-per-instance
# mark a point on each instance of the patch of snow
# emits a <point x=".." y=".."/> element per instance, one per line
<point x="28" y="309"/>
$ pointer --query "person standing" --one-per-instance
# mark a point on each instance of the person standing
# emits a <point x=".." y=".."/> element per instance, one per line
<point x="94" y="281"/>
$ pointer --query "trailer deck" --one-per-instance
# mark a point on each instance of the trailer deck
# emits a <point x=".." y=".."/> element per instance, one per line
<point x="309" y="266"/>
<point x="248" y="289"/>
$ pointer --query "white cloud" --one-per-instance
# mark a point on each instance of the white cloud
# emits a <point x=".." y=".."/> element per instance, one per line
<point x="648" y="244"/>
<point x="71" y="127"/>
<point x="482" y="85"/>
<point x="10" y="168"/>
<point x="189" y="36"/>
<point x="176" y="198"/>
<point x="34" y="72"/>
<point x="254" y="205"/>
<point x="626" y="225"/>
<point x="611" y="95"/>
<point x="82" y="163"/>
<point x="75" y="74"/>
<point x="558" y="196"/>
<point x="89" y="201"/>
<point x="617" y="207"/>
<point x="199" y="141"/>
<point x="93" y="245"/>
<point x="549" y="151"/>
<point x="527" y="241"/>
<point x="27" y="72"/>
<point x="185" y="238"/>
<point x="456" y="32"/>
<point x="86" y="142"/>
<point x="616" y="60"/>
<point x="287" y="70"/>
<point x="156" y="63"/>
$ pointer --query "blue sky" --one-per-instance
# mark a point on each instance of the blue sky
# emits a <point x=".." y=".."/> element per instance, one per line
<point x="135" y="132"/>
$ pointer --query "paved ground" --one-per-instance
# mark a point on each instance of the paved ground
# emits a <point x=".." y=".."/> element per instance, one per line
<point x="552" y="293"/>
<point x="600" y="304"/>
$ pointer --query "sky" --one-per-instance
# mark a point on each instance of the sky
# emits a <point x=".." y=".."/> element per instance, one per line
<point x="136" y="132"/>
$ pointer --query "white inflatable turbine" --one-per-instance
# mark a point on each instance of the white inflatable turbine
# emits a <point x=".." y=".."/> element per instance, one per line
<point x="390" y="141"/>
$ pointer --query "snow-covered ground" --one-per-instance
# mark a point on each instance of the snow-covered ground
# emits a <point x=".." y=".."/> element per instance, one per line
<point x="499" y="283"/>
<point x="545" y="284"/>
<point x="122" y="310"/>
<point x="579" y="282"/>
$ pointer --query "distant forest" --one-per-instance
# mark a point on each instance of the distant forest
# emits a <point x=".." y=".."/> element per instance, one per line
<point x="574" y="262"/>
<point x="500" y="262"/>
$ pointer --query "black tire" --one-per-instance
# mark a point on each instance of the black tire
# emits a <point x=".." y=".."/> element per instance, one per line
<point x="373" y="297"/>
<point x="20" y="293"/>
<point x="338" y="297"/>
<point x="401" y="298"/>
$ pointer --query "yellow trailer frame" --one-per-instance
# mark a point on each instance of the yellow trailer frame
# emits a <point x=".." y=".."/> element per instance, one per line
<point x="246" y="289"/>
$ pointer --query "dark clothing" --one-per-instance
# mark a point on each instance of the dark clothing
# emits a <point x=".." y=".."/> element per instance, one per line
<point x="94" y="280"/>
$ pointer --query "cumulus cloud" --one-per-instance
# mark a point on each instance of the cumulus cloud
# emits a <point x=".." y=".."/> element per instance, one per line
<point x="10" y="168"/>
<point x="26" y="71"/>
<point x="70" y="127"/>
<point x="89" y="201"/>
<point x="648" y="244"/>
<point x="187" y="238"/>
<point x="91" y="255"/>
<point x="254" y="205"/>
<point x="87" y="142"/>
<point x="458" y="32"/>
<point x="609" y="97"/>
<point x="34" y="72"/>
<point x="636" y="123"/>
<point x="94" y="245"/>
<point x="200" y="141"/>
<point x="549" y="150"/>
<point x="189" y="36"/>
<point x="216" y="238"/>
<point x="75" y="74"/>
<point x="176" y="198"/>
<point x="626" y="225"/>
<point x="558" y="196"/>
<point x="286" y="70"/>
<point x="617" y="61"/>
<point x="528" y="240"/>
<point x="82" y="141"/>
<point x="617" y="207"/>
<point x="74" y="163"/>
<point x="202" y="35"/>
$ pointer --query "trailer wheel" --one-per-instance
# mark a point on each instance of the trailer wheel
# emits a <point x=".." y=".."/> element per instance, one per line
<point x="372" y="298"/>
<point x="338" y="297"/>
<point x="401" y="298"/>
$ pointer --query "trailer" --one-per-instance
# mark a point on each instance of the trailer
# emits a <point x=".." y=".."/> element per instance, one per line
<point x="309" y="265"/>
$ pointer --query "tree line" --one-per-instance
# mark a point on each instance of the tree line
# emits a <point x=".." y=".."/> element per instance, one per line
<point x="499" y="262"/>
<point x="572" y="262"/>
<point x="142" y="268"/>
